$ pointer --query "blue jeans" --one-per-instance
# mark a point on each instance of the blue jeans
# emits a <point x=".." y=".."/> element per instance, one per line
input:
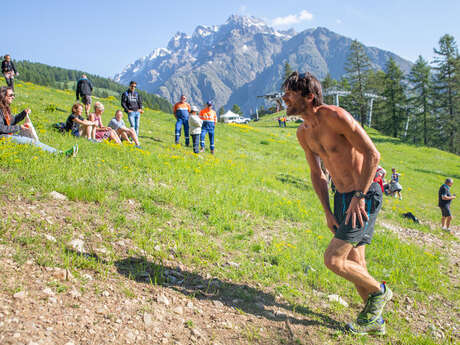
<point x="134" y="119"/>
<point x="182" y="121"/>
<point x="208" y="127"/>
<point x="28" y="141"/>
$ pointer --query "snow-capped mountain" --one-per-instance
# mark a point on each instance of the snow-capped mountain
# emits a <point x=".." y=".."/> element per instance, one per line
<point x="235" y="62"/>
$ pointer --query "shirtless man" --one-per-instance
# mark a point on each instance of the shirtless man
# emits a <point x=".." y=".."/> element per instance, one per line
<point x="331" y="134"/>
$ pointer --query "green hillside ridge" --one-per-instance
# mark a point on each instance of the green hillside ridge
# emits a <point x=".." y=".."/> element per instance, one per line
<point x="247" y="216"/>
<point x="66" y="79"/>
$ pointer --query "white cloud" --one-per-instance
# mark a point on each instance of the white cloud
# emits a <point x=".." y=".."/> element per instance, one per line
<point x="292" y="18"/>
<point x="338" y="21"/>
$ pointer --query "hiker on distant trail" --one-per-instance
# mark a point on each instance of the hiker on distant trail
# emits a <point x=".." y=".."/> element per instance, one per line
<point x="131" y="102"/>
<point x="78" y="126"/>
<point x="209" y="117"/>
<point x="84" y="91"/>
<point x="123" y="132"/>
<point x="444" y="200"/>
<point x="280" y="122"/>
<point x="283" y="119"/>
<point x="395" y="186"/>
<point x="9" y="71"/>
<point x="195" y="124"/>
<point x="10" y="130"/>
<point x="181" y="112"/>
<point x="102" y="133"/>
<point x="331" y="134"/>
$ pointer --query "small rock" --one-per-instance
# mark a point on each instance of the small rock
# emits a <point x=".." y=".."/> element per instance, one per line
<point x="87" y="276"/>
<point x="100" y="311"/>
<point x="178" y="310"/>
<point x="70" y="343"/>
<point x="75" y="293"/>
<point x="48" y="292"/>
<point x="218" y="304"/>
<point x="52" y="299"/>
<point x="233" y="264"/>
<point x="57" y="196"/>
<point x="16" y="335"/>
<point x="60" y="273"/>
<point x="50" y="238"/>
<point x="189" y="304"/>
<point x="148" y="320"/>
<point x="78" y="245"/>
<point x="105" y="293"/>
<point x="20" y="295"/>
<point x="162" y="299"/>
<point x="196" y="332"/>
<point x="337" y="298"/>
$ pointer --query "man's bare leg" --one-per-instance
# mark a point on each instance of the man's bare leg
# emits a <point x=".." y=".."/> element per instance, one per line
<point x="87" y="108"/>
<point x="358" y="255"/>
<point x="443" y="222"/>
<point x="448" y="219"/>
<point x="336" y="258"/>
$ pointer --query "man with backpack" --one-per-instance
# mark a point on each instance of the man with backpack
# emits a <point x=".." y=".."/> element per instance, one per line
<point x="131" y="102"/>
<point x="84" y="91"/>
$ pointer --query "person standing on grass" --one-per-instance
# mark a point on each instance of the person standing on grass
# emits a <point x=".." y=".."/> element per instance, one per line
<point x="9" y="71"/>
<point x="84" y="91"/>
<point x="131" y="102"/>
<point x="10" y="130"/>
<point x="181" y="112"/>
<point x="124" y="133"/>
<point x="209" y="117"/>
<point x="195" y="124"/>
<point x="395" y="186"/>
<point x="444" y="200"/>
<point x="329" y="133"/>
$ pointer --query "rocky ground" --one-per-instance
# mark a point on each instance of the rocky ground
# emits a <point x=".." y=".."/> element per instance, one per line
<point x="51" y="305"/>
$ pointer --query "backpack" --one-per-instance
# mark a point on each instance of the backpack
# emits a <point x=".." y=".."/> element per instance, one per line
<point x="410" y="216"/>
<point x="59" y="126"/>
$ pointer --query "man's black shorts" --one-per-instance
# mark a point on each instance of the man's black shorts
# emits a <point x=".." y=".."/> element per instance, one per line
<point x="86" y="99"/>
<point x="359" y="235"/>
<point x="445" y="210"/>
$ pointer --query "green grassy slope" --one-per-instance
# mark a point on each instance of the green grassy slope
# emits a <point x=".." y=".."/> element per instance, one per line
<point x="251" y="204"/>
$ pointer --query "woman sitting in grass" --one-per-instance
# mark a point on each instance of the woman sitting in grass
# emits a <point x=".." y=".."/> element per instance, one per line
<point x="11" y="131"/>
<point x="102" y="133"/>
<point x="118" y="125"/>
<point x="78" y="126"/>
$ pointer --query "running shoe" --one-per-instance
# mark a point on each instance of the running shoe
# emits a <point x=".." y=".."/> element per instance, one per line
<point x="376" y="327"/>
<point x="374" y="306"/>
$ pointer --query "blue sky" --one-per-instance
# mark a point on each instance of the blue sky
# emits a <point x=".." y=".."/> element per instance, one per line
<point x="102" y="36"/>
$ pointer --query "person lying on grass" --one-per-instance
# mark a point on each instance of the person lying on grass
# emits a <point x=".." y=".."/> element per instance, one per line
<point x="10" y="129"/>
<point x="102" y="133"/>
<point x="118" y="125"/>
<point x="78" y="126"/>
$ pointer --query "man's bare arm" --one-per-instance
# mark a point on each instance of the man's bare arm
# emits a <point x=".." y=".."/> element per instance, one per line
<point x="318" y="180"/>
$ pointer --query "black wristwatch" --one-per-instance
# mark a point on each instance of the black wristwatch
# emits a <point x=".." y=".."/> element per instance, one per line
<point x="359" y="195"/>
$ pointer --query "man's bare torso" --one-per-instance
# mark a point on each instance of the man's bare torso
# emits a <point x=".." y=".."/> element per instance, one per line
<point x="340" y="158"/>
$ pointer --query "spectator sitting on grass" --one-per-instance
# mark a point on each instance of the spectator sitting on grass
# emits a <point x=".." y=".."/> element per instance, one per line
<point x="78" y="126"/>
<point x="10" y="130"/>
<point x="118" y="125"/>
<point x="102" y="133"/>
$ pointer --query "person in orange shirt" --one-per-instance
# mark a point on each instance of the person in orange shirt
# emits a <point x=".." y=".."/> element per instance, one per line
<point x="209" y="117"/>
<point x="181" y="112"/>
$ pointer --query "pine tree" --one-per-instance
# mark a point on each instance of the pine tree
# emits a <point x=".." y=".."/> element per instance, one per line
<point x="236" y="109"/>
<point x="395" y="103"/>
<point x="327" y="84"/>
<point x="420" y="102"/>
<point x="357" y="67"/>
<point x="447" y="90"/>
<point x="221" y="111"/>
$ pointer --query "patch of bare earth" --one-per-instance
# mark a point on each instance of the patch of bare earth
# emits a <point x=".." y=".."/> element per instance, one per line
<point x="121" y="305"/>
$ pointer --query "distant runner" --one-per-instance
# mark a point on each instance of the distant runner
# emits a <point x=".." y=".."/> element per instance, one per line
<point x="331" y="134"/>
<point x="84" y="91"/>
<point x="181" y="112"/>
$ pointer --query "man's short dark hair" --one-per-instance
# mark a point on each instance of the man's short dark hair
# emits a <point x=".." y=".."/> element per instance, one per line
<point x="132" y="82"/>
<point x="449" y="180"/>
<point x="307" y="83"/>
